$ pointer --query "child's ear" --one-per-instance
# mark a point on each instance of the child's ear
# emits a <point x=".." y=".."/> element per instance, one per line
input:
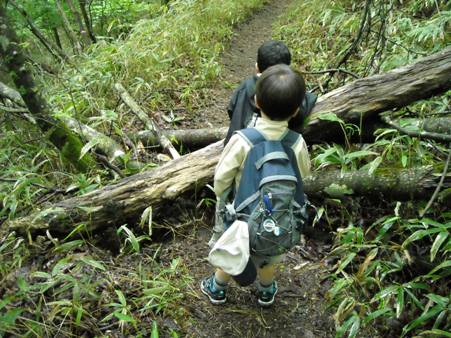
<point x="257" y="69"/>
<point x="256" y="102"/>
<point x="296" y="112"/>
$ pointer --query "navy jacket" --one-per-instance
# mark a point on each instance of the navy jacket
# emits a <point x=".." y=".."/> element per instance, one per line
<point x="242" y="107"/>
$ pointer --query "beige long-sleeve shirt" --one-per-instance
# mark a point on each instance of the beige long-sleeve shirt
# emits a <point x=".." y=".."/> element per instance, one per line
<point x="229" y="169"/>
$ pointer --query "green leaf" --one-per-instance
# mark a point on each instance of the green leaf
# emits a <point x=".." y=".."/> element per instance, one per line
<point x="441" y="237"/>
<point x="422" y="319"/>
<point x="345" y="262"/>
<point x="374" y="164"/>
<point x="330" y="117"/>
<point x="445" y="264"/>
<point x="355" y="326"/>
<point x="123" y="317"/>
<point x="419" y="234"/>
<point x="375" y="314"/>
<point x="399" y="302"/>
<point x="154" y="333"/>
<point x="440" y="300"/>
<point x="93" y="263"/>
<point x="437" y="332"/>
<point x="65" y="247"/>
<point x="9" y="318"/>
<point x="404" y="160"/>
<point x="121" y="297"/>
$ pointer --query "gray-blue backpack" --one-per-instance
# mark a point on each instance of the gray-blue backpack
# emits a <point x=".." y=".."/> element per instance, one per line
<point x="270" y="196"/>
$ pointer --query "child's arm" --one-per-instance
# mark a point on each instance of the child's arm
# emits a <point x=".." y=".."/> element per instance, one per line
<point x="229" y="164"/>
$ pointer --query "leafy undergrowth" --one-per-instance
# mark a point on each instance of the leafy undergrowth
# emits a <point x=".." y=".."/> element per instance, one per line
<point x="70" y="288"/>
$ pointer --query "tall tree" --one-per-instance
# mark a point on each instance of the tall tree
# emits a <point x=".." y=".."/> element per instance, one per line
<point x="88" y="22"/>
<point x="67" y="142"/>
<point x="68" y="28"/>
<point x="82" y="29"/>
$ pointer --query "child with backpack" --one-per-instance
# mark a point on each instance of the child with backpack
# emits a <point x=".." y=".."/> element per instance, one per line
<point x="242" y="110"/>
<point x="272" y="160"/>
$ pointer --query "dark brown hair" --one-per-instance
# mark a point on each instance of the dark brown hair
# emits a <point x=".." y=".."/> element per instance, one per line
<point x="271" y="53"/>
<point x="279" y="92"/>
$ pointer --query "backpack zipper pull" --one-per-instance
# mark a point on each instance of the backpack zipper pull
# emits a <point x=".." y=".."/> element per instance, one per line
<point x="267" y="200"/>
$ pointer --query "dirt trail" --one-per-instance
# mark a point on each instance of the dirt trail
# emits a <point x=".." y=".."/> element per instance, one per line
<point x="238" y="61"/>
<point x="299" y="310"/>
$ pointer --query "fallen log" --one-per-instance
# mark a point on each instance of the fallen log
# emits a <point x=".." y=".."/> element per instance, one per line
<point x="364" y="98"/>
<point x="195" y="138"/>
<point x="125" y="201"/>
<point x="360" y="101"/>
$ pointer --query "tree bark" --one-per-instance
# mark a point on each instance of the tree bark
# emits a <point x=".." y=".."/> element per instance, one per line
<point x="362" y="99"/>
<point x="49" y="45"/>
<point x="66" y="141"/>
<point x="81" y="28"/>
<point x="68" y="28"/>
<point x="195" y="138"/>
<point x="88" y="23"/>
<point x="149" y="124"/>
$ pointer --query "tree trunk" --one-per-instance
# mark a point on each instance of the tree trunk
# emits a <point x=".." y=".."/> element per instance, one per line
<point x="88" y="23"/>
<point x="82" y="30"/>
<point x="49" y="45"/>
<point x="56" y="35"/>
<point x="66" y="141"/>
<point x="362" y="99"/>
<point x="68" y="28"/>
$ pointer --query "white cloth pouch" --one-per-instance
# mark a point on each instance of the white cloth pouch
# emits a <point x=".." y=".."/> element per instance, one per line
<point x="231" y="252"/>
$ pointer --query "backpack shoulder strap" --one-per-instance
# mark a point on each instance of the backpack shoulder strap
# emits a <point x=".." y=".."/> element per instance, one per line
<point x="252" y="136"/>
<point x="291" y="138"/>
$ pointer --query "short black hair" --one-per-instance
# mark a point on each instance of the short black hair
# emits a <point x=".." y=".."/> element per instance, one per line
<point x="271" y="53"/>
<point x="279" y="92"/>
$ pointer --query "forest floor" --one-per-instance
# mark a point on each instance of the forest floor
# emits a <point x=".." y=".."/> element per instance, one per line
<point x="300" y="306"/>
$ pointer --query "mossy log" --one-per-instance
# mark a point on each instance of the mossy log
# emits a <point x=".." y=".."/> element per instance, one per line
<point x="125" y="201"/>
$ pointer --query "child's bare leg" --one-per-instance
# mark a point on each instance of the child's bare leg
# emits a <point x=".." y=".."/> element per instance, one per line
<point x="266" y="274"/>
<point x="221" y="277"/>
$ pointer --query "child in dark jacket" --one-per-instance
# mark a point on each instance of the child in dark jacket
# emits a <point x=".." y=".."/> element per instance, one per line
<point x="242" y="110"/>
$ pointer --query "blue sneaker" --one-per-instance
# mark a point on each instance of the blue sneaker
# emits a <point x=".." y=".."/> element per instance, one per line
<point x="207" y="286"/>
<point x="266" y="295"/>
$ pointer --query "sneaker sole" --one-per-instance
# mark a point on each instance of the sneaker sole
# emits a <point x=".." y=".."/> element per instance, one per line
<point x="212" y="300"/>
<point x="267" y="304"/>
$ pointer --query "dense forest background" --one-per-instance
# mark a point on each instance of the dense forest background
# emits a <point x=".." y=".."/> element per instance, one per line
<point x="82" y="80"/>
